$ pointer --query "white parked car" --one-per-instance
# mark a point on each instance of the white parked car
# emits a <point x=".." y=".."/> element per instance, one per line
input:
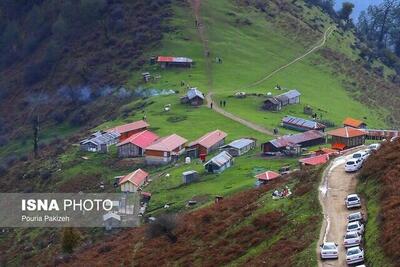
<point x="356" y="216"/>
<point x="363" y="155"/>
<point x="352" y="201"/>
<point x="354" y="255"/>
<point x="329" y="250"/>
<point x="374" y="146"/>
<point x="353" y="165"/>
<point x="355" y="226"/>
<point x="352" y="239"/>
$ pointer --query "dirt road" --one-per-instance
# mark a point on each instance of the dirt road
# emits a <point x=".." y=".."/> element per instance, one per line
<point x="335" y="186"/>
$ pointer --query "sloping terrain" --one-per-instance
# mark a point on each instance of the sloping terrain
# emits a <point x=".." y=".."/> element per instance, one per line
<point x="380" y="184"/>
<point x="247" y="229"/>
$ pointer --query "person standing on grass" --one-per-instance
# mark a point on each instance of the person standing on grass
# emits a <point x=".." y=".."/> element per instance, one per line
<point x="211" y="105"/>
<point x="220" y="103"/>
<point x="224" y="103"/>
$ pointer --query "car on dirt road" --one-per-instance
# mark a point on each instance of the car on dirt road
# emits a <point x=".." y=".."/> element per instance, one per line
<point x="329" y="250"/>
<point x="355" y="226"/>
<point x="356" y="216"/>
<point x="354" y="255"/>
<point x="353" y="165"/>
<point x="352" y="201"/>
<point x="363" y="155"/>
<point x="352" y="239"/>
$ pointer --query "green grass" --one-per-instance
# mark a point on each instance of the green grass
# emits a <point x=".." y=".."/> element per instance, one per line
<point x="374" y="252"/>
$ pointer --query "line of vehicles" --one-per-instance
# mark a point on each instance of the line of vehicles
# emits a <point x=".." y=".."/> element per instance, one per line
<point x="356" y="160"/>
<point x="353" y="237"/>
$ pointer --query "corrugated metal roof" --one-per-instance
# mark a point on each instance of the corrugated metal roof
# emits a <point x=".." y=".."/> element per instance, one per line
<point x="100" y="138"/>
<point x="352" y="122"/>
<point x="193" y="92"/>
<point x="316" y="160"/>
<point x="210" y="139"/>
<point x="292" y="93"/>
<point x="141" y="139"/>
<point x="220" y="159"/>
<point x="312" y="125"/>
<point x="240" y="143"/>
<point x="347" y="132"/>
<point x="294" y="139"/>
<point x="137" y="177"/>
<point x="168" y="143"/>
<point x="174" y="59"/>
<point x="136" y="125"/>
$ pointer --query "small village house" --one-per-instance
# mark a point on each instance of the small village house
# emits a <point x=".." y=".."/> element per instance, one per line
<point x="303" y="125"/>
<point x="219" y="163"/>
<point x="267" y="176"/>
<point x="129" y="129"/>
<point x="276" y="103"/>
<point x="346" y="137"/>
<point x="381" y="134"/>
<point x="350" y="122"/>
<point x="206" y="144"/>
<point x="165" y="150"/>
<point x="111" y="220"/>
<point x="190" y="177"/>
<point x="99" y="142"/>
<point x="306" y="139"/>
<point x="133" y="181"/>
<point x="193" y="97"/>
<point x="239" y="147"/>
<point x="182" y="62"/>
<point x="134" y="146"/>
<point x="314" y="160"/>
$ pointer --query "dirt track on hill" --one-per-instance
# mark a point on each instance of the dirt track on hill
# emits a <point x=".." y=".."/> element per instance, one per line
<point x="201" y="29"/>
<point x="335" y="186"/>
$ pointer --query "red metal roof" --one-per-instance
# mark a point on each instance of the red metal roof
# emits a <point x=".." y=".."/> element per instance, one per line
<point x="346" y="132"/>
<point x="297" y="138"/>
<point x="142" y="139"/>
<point x="137" y="177"/>
<point x="352" y="122"/>
<point x="209" y="139"/>
<point x="317" y="160"/>
<point x="168" y="143"/>
<point x="165" y="59"/>
<point x="267" y="176"/>
<point x="129" y="127"/>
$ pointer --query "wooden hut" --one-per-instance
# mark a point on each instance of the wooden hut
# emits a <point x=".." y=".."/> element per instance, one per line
<point x="346" y="137"/>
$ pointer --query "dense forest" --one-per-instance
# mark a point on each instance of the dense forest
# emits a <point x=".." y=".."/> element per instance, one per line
<point x="56" y="57"/>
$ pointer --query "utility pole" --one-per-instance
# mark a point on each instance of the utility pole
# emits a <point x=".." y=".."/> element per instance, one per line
<point x="36" y="135"/>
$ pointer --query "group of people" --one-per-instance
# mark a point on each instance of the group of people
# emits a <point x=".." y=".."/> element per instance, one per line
<point x="281" y="194"/>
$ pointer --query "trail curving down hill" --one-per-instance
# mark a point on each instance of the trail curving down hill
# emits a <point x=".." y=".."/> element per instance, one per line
<point x="196" y="6"/>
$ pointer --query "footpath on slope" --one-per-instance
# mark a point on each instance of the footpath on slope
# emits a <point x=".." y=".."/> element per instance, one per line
<point x="335" y="186"/>
<point x="196" y="6"/>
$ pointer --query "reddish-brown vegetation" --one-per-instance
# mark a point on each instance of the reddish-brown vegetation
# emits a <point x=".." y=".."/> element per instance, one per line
<point x="384" y="167"/>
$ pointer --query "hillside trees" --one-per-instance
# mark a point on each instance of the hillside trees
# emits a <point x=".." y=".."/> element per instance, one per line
<point x="345" y="12"/>
<point x="379" y="26"/>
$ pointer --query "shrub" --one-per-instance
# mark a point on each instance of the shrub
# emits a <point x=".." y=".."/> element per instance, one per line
<point x="70" y="239"/>
<point x="164" y="225"/>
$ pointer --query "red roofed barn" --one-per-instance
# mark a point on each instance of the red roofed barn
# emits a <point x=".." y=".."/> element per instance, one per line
<point x="133" y="181"/>
<point x="174" y="62"/>
<point x="347" y="137"/>
<point x="314" y="161"/>
<point x="350" y="122"/>
<point x="165" y="149"/>
<point x="135" y="145"/>
<point x="129" y="129"/>
<point x="207" y="143"/>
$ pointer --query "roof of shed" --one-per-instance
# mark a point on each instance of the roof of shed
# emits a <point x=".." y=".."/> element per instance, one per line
<point x="353" y="122"/>
<point x="220" y="159"/>
<point x="168" y="143"/>
<point x="303" y="123"/>
<point x="101" y="138"/>
<point x="136" y="125"/>
<point x="240" y="143"/>
<point x="316" y="160"/>
<point x="296" y="138"/>
<point x="209" y="139"/>
<point x="267" y="176"/>
<point x="194" y="92"/>
<point x="137" y="177"/>
<point x="174" y="59"/>
<point x="291" y="94"/>
<point x="141" y="139"/>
